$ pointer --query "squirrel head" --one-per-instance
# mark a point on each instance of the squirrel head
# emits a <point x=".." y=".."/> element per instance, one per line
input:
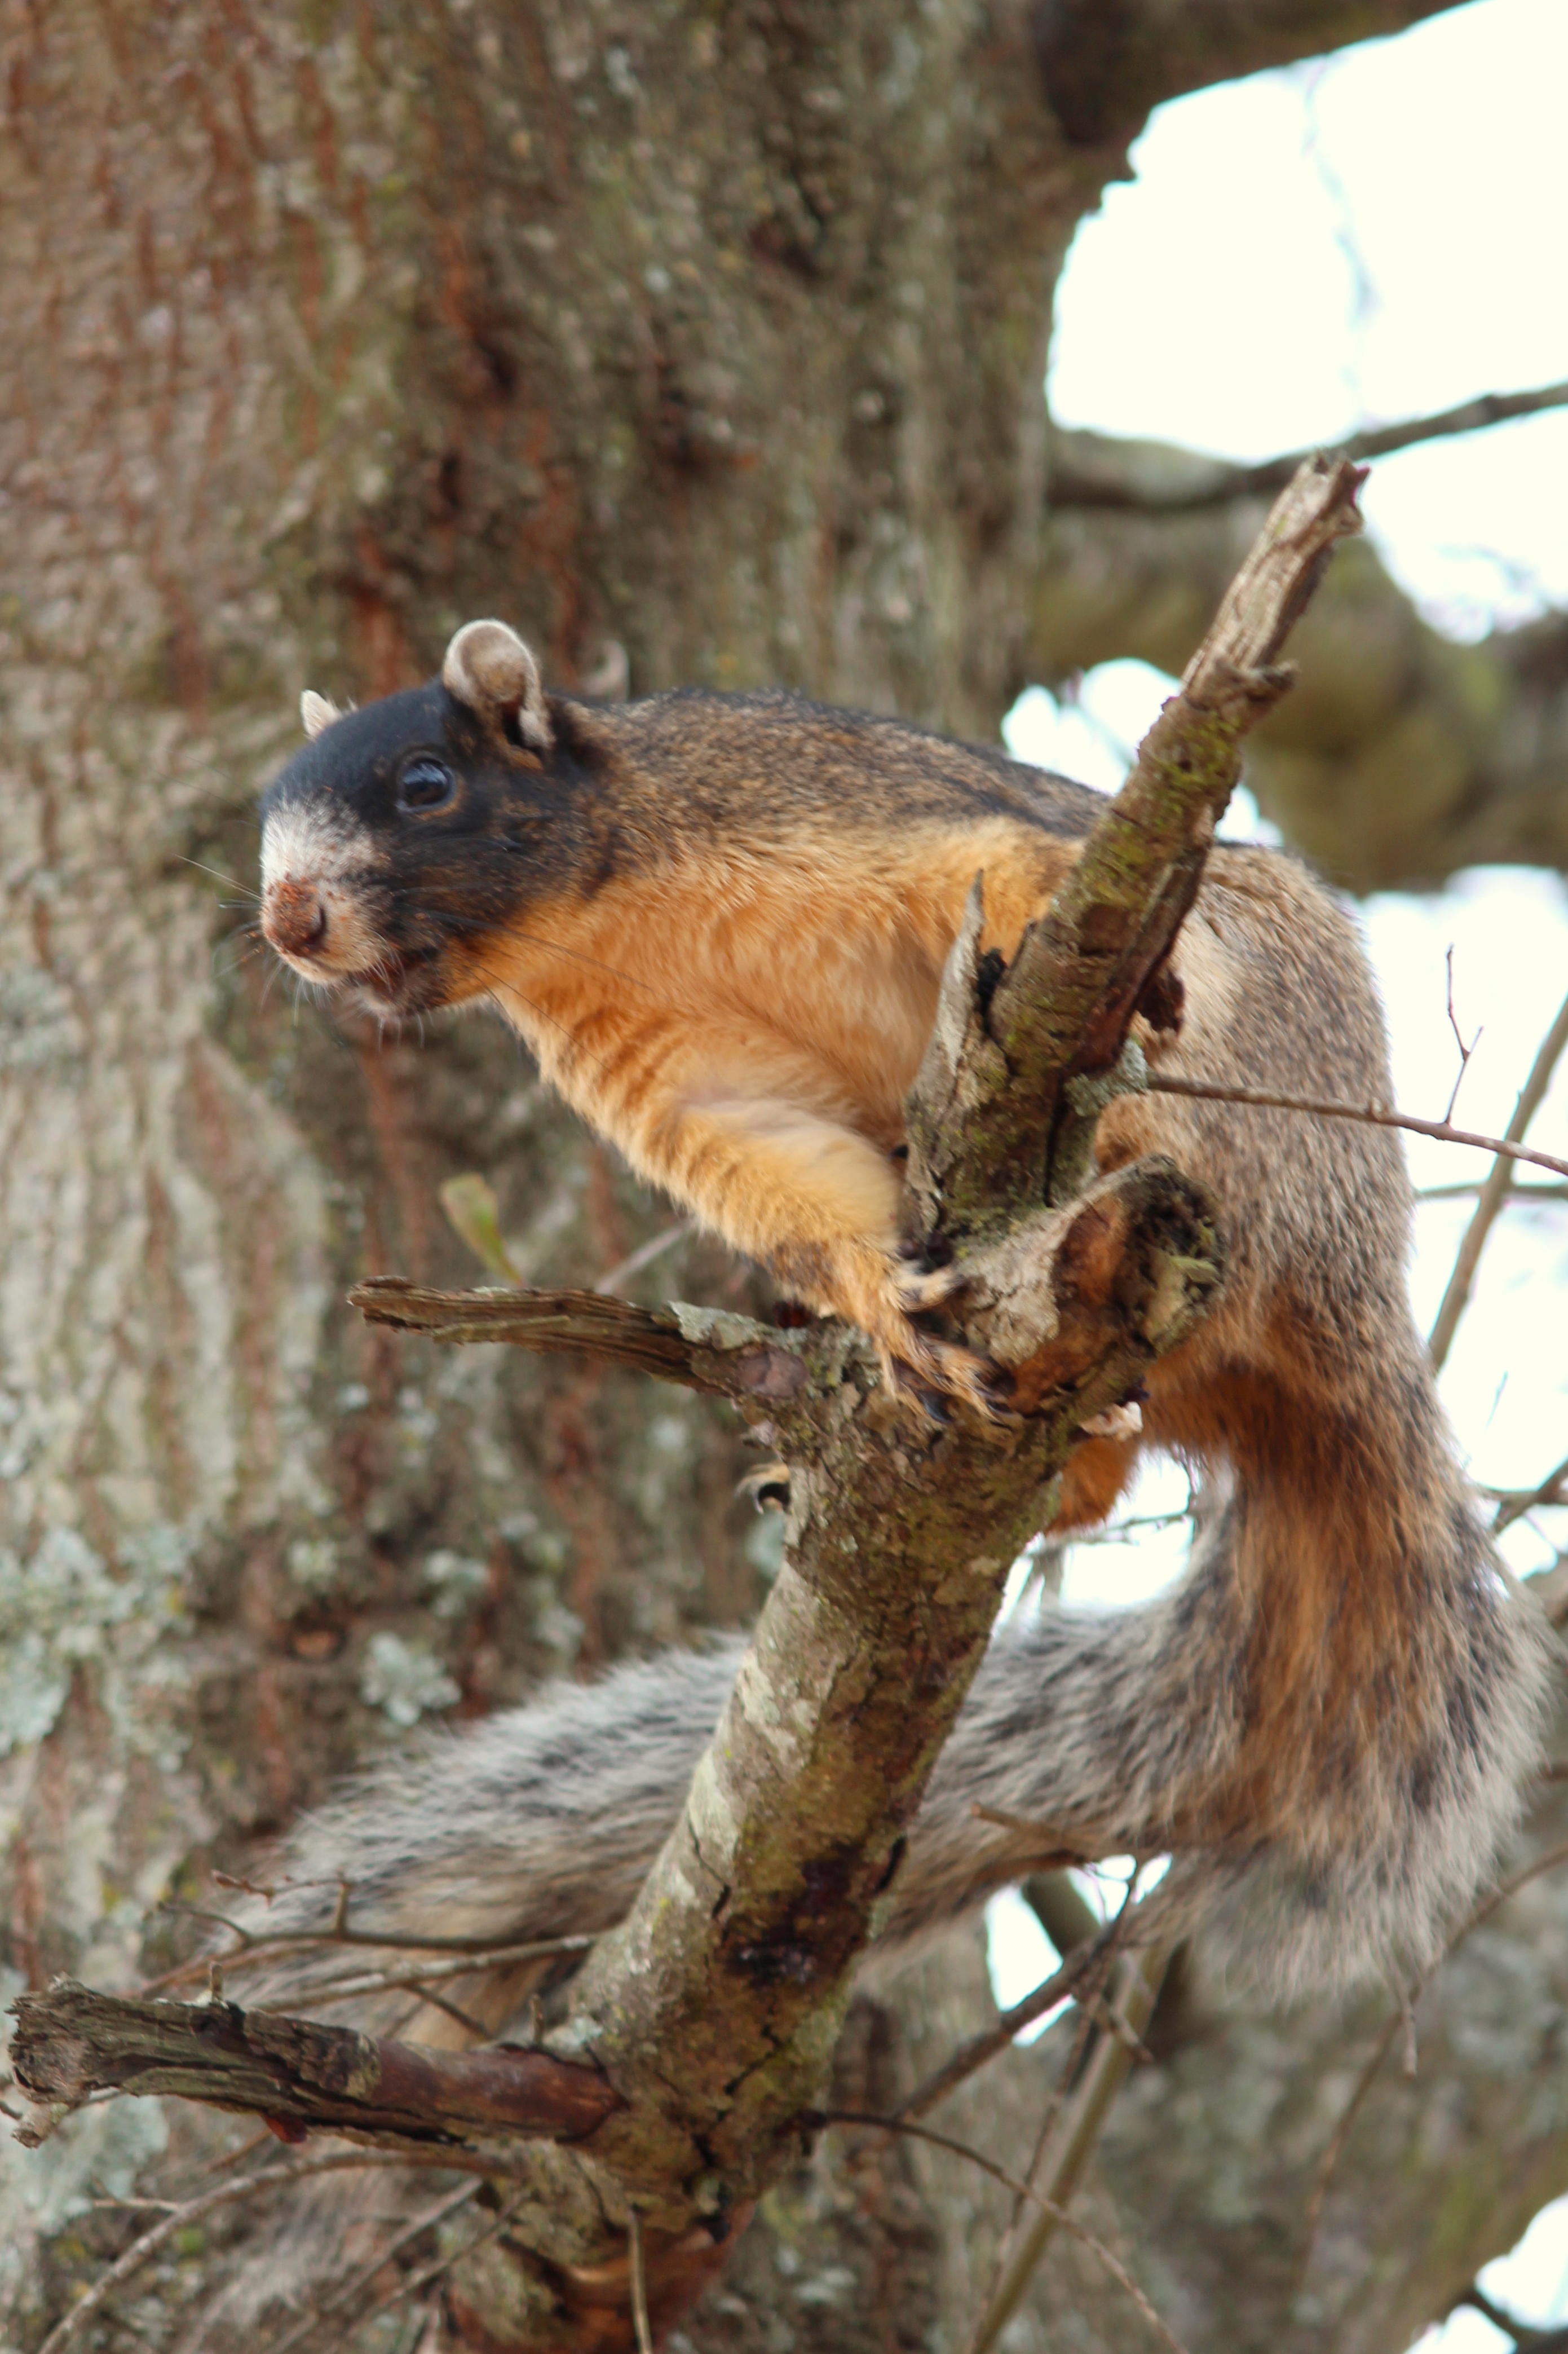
<point x="405" y="835"/>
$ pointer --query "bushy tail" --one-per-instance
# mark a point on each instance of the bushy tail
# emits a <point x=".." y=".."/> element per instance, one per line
<point x="1331" y="1746"/>
<point x="1332" y="1777"/>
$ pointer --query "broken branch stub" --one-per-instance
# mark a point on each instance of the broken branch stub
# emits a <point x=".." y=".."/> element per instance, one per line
<point x="72" y="2041"/>
<point x="708" y="1348"/>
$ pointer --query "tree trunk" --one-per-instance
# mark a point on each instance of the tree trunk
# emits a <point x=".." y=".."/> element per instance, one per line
<point x="705" y="348"/>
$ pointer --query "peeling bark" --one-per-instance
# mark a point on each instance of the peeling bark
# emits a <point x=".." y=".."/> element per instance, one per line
<point x="298" y="2074"/>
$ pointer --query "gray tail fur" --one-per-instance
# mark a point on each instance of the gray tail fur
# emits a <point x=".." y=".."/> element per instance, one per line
<point x="1334" y="1841"/>
<point x="1340" y="1841"/>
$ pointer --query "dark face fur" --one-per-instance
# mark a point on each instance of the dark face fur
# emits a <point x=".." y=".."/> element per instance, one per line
<point x="404" y="836"/>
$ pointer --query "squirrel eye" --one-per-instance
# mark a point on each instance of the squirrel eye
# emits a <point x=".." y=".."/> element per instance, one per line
<point x="425" y="785"/>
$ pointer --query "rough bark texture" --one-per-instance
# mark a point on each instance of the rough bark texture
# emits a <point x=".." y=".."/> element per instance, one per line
<point x="714" y="342"/>
<point x="1203" y="2173"/>
<point x="299" y="2075"/>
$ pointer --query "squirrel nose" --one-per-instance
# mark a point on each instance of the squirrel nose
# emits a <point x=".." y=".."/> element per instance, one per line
<point x="294" y="918"/>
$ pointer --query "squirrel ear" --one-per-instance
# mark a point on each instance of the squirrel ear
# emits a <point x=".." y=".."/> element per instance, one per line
<point x="316" y="712"/>
<point x="488" y="669"/>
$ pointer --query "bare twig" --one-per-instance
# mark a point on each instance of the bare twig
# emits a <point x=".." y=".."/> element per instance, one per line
<point x="1526" y="2338"/>
<point x="264" y="1950"/>
<point x="1021" y="2192"/>
<point x="1515" y="1506"/>
<point x="1495" y="1189"/>
<point x="1093" y="479"/>
<point x="1062" y="1984"/>
<point x="126" y="2265"/>
<point x="1376" y="1115"/>
<point x="1525" y="1194"/>
<point x="1404" y="2010"/>
<point x="644" y="1256"/>
<point x="396" y="1982"/>
<point x="1078" y="2111"/>
<point x="417" y="2281"/>
<point x="1465" y="1052"/>
<point x="352" y="2290"/>
<point x="1054" y="1856"/>
<point x="640" y="2320"/>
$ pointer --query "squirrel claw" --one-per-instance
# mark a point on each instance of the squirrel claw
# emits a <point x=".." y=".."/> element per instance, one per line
<point x="934" y="1374"/>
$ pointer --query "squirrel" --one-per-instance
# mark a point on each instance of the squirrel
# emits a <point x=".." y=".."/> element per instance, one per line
<point x="720" y="924"/>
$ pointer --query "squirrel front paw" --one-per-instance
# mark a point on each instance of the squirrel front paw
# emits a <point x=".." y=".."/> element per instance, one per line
<point x="884" y="1295"/>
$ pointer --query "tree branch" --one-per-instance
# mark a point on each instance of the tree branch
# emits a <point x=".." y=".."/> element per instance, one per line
<point x="70" y="2042"/>
<point x="1494" y="1190"/>
<point x="990" y="1096"/>
<point x="699" y="1348"/>
<point x="1402" y="757"/>
<point x="1093" y="471"/>
<point x="1105" y="67"/>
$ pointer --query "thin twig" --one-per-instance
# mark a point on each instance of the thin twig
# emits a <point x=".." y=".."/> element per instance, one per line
<point x="253" y="1951"/>
<point x="1087" y="486"/>
<point x="1514" y="1506"/>
<point x="1021" y="2191"/>
<point x="432" y="2272"/>
<point x="1077" y="2110"/>
<point x="1163" y="1083"/>
<point x="414" y="1981"/>
<point x="1527" y="2337"/>
<point x="1465" y="1052"/>
<point x="1053" y="1857"/>
<point x="1404" y="2010"/>
<point x="1495" y="1189"/>
<point x="644" y="1256"/>
<point x="1516" y="1193"/>
<point x="640" y="2320"/>
<point x="364" y="2280"/>
<point x="962" y="2064"/>
<point x="225" y="2193"/>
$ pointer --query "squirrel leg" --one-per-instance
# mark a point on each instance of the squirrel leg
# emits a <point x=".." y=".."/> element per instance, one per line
<point x="817" y="1202"/>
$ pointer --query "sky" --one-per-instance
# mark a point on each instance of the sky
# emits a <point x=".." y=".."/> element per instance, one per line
<point x="1403" y="242"/>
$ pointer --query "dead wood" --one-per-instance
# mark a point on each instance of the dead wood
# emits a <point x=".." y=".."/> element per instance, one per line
<point x="72" y="2043"/>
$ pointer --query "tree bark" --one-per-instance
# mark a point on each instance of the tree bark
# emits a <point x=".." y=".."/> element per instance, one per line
<point x="1204" y="2172"/>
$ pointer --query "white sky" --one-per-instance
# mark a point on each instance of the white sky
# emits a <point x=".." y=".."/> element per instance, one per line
<point x="1399" y="217"/>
